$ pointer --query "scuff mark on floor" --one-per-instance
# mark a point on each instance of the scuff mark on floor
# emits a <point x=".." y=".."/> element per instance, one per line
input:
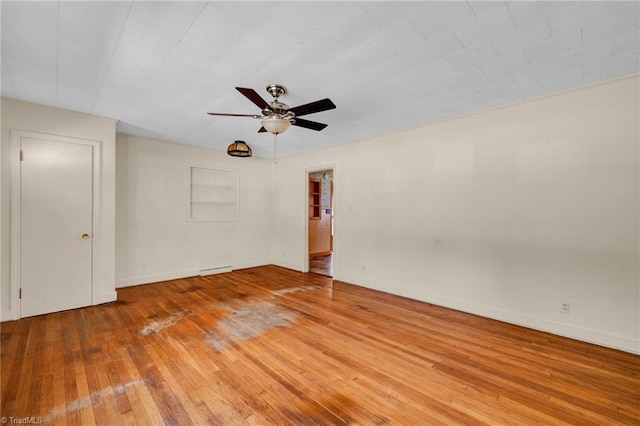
<point x="292" y="290"/>
<point x="81" y="403"/>
<point x="248" y="321"/>
<point x="158" y="325"/>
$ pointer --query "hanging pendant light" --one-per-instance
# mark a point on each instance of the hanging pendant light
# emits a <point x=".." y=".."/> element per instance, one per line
<point x="239" y="149"/>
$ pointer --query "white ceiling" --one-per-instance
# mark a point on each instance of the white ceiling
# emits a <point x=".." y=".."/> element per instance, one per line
<point x="158" y="67"/>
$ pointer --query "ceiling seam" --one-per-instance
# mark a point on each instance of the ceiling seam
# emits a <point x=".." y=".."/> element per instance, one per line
<point x="364" y="11"/>
<point x="126" y="111"/>
<point x="93" y="104"/>
<point x="513" y="21"/>
<point x="413" y="24"/>
<point x="58" y="55"/>
<point x="546" y="20"/>
<point x="475" y="15"/>
<point x="464" y="47"/>
<point x="253" y="31"/>
<point x="6" y="66"/>
<point x="13" y="85"/>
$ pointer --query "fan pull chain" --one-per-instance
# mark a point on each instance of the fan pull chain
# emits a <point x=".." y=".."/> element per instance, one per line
<point x="275" y="154"/>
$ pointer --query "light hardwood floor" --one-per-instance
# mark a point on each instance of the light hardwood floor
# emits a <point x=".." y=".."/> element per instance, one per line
<point x="269" y="346"/>
<point x="322" y="265"/>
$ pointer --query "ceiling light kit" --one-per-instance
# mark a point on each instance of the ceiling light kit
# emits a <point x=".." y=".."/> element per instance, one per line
<point x="275" y="124"/>
<point x="276" y="117"/>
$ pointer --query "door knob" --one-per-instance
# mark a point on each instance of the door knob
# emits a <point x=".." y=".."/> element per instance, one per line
<point x="85" y="236"/>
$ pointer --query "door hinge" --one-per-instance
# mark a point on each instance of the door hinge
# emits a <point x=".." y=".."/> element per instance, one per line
<point x="20" y="294"/>
<point x="21" y="155"/>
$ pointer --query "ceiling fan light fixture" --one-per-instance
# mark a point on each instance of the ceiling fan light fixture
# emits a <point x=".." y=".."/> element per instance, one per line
<point x="275" y="125"/>
<point x="276" y="117"/>
<point x="239" y="149"/>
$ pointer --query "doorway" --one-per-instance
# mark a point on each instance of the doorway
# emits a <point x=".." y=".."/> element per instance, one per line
<point x="320" y="222"/>
<point x="53" y="237"/>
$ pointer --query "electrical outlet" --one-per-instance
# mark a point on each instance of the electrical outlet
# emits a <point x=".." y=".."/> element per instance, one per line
<point x="565" y="307"/>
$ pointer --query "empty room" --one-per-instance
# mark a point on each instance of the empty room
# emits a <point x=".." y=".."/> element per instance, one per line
<point x="320" y="213"/>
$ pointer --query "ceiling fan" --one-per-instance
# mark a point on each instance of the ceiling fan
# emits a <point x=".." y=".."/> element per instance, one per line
<point x="276" y="116"/>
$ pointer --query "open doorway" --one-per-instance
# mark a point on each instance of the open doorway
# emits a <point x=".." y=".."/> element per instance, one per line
<point x="320" y="222"/>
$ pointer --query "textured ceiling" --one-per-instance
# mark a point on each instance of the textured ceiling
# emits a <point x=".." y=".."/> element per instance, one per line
<point x="158" y="67"/>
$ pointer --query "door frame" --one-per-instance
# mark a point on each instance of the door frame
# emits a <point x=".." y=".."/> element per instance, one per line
<point x="305" y="265"/>
<point x="16" y="210"/>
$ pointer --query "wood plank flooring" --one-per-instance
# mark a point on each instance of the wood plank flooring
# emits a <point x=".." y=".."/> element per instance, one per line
<point x="322" y="265"/>
<point x="268" y="346"/>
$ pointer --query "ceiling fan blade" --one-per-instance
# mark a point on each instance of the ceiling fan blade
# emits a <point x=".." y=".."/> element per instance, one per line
<point x="313" y="107"/>
<point x="253" y="96"/>
<point x="308" y="124"/>
<point x="234" y="115"/>
<point x="262" y="130"/>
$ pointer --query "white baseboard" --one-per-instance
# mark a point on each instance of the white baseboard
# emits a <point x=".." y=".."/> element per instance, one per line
<point x="287" y="265"/>
<point x="167" y="276"/>
<point x="215" y="271"/>
<point x="109" y="296"/>
<point x="541" y="324"/>
<point x="247" y="265"/>
<point x="156" y="278"/>
<point x="6" y="315"/>
<point x="536" y="323"/>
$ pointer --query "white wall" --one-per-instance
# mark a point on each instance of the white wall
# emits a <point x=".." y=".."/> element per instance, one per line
<point x="155" y="242"/>
<point x="39" y="118"/>
<point x="506" y="213"/>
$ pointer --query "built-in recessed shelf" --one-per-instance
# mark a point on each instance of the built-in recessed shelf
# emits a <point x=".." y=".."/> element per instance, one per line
<point x="213" y="194"/>
<point x="315" y="190"/>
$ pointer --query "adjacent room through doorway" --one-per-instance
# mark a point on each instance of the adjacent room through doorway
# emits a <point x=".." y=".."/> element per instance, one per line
<point x="320" y="222"/>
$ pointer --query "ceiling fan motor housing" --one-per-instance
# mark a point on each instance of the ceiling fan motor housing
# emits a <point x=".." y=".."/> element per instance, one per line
<point x="276" y="90"/>
<point x="276" y="107"/>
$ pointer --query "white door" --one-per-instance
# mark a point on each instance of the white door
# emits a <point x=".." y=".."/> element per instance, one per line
<point x="56" y="189"/>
